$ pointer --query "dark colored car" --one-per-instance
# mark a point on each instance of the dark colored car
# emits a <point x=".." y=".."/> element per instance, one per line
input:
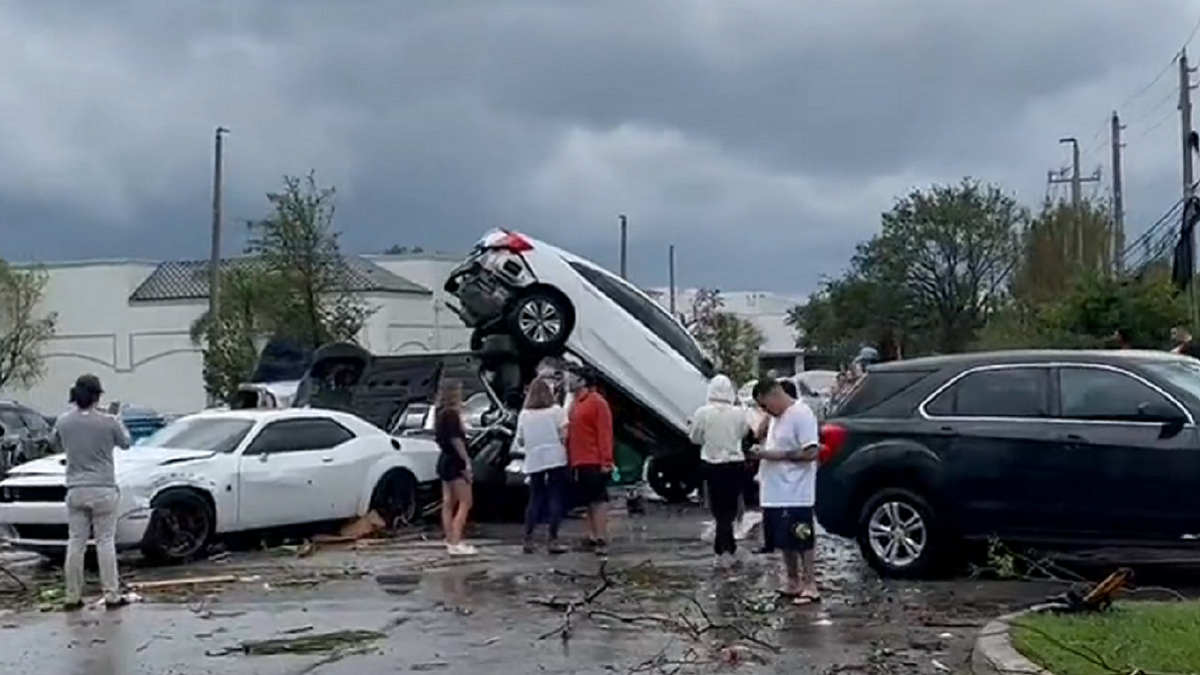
<point x="24" y="434"/>
<point x="1052" y="449"/>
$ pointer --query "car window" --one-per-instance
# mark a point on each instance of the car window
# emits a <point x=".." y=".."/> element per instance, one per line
<point x="11" y="421"/>
<point x="1102" y="394"/>
<point x="211" y="434"/>
<point x="34" y="421"/>
<point x="299" y="436"/>
<point x="1000" y="392"/>
<point x="649" y="313"/>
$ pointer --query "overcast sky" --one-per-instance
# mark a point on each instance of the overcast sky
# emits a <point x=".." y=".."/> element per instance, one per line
<point x="762" y="137"/>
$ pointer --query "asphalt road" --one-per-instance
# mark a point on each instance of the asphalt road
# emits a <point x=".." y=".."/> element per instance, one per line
<point x="662" y="609"/>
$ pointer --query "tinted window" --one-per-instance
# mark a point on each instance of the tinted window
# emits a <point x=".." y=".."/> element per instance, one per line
<point x="11" y="421"/>
<point x="34" y="421"/>
<point x="649" y="313"/>
<point x="875" y="388"/>
<point x="1002" y="392"/>
<point x="1100" y="394"/>
<point x="299" y="436"/>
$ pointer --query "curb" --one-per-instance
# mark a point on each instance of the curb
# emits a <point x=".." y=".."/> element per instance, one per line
<point x="994" y="653"/>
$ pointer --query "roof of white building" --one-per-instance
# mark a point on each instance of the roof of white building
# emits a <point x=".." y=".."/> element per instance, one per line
<point x="188" y="279"/>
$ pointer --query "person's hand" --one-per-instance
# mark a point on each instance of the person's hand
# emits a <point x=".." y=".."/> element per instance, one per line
<point x="469" y="475"/>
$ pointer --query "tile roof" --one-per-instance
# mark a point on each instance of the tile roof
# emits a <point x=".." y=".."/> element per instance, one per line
<point x="188" y="279"/>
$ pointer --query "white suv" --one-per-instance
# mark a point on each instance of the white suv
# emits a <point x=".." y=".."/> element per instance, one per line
<point x="526" y="299"/>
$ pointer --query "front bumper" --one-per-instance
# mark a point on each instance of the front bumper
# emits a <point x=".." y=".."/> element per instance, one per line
<point x="42" y="526"/>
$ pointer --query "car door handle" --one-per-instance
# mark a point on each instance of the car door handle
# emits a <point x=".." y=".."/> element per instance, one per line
<point x="1075" y="438"/>
<point x="327" y="460"/>
<point x="947" y="431"/>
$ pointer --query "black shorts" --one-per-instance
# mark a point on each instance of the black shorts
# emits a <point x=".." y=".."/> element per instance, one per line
<point x="591" y="485"/>
<point x="450" y="467"/>
<point x="791" y="528"/>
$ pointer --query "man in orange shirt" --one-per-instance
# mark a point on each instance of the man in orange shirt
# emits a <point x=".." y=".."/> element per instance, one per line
<point x="590" y="455"/>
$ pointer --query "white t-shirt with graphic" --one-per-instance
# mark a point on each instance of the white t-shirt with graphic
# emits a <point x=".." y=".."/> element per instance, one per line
<point x="787" y="483"/>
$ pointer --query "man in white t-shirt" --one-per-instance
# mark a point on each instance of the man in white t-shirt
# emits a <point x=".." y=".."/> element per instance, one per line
<point x="788" y="475"/>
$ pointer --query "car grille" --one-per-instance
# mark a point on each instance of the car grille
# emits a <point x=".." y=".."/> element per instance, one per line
<point x="43" y="494"/>
<point x="44" y="532"/>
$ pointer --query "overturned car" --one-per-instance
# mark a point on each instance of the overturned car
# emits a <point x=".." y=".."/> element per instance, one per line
<point x="526" y="300"/>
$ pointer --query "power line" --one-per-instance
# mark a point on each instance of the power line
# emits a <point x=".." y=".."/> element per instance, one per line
<point x="1166" y="69"/>
<point x="1153" y="127"/>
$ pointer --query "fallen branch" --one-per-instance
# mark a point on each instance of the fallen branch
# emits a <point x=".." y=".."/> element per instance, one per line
<point x="12" y="575"/>
<point x="568" y="608"/>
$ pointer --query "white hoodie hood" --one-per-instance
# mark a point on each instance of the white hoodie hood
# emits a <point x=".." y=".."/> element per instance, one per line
<point x="719" y="426"/>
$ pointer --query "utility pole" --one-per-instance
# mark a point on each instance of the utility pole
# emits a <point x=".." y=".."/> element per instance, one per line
<point x="1076" y="180"/>
<point x="671" y="277"/>
<point x="214" y="263"/>
<point x="1189" y="182"/>
<point x="624" y="246"/>
<point x="1118" y="196"/>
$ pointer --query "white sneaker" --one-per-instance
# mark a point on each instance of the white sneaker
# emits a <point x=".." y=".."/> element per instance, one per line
<point x="463" y="549"/>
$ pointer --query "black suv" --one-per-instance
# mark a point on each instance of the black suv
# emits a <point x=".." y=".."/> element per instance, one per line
<point x="24" y="435"/>
<point x="1054" y="449"/>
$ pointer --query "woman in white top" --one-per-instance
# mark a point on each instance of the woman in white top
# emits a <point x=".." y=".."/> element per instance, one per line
<point x="718" y="427"/>
<point x="541" y="433"/>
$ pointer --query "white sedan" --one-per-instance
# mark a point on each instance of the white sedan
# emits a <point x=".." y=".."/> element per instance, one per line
<point x="225" y="471"/>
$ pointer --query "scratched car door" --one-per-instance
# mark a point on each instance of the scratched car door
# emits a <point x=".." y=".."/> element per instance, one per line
<point x="279" y="476"/>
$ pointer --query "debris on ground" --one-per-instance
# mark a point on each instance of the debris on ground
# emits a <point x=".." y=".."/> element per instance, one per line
<point x="1099" y="597"/>
<point x="316" y="643"/>
<point x="184" y="581"/>
<point x="369" y="526"/>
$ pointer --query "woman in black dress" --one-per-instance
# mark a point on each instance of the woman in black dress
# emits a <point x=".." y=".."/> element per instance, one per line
<point x="454" y="466"/>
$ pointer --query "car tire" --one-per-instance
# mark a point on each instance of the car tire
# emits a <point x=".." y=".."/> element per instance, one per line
<point x="671" y="479"/>
<point x="395" y="499"/>
<point x="541" y="321"/>
<point x="181" y="526"/>
<point x="899" y="535"/>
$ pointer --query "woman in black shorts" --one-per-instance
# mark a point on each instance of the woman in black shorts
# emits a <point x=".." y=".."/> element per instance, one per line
<point x="453" y="467"/>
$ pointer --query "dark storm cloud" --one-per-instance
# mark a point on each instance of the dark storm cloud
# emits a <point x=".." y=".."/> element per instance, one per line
<point x="763" y="138"/>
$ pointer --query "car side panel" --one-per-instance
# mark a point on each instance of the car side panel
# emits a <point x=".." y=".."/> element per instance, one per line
<point x="416" y="455"/>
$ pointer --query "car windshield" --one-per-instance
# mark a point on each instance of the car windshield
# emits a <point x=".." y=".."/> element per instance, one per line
<point x="211" y="434"/>
<point x="1182" y="373"/>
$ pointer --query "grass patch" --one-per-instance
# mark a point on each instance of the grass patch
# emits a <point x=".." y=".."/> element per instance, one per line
<point x="1159" y="637"/>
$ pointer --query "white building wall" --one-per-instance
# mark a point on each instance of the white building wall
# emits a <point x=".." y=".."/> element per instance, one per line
<point x="431" y="271"/>
<point x="143" y="352"/>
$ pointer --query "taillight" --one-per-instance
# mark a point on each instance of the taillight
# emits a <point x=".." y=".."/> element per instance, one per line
<point x="511" y="241"/>
<point x="833" y="437"/>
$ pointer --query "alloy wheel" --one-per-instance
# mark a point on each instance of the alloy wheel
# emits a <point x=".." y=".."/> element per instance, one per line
<point x="540" y="321"/>
<point x="897" y="533"/>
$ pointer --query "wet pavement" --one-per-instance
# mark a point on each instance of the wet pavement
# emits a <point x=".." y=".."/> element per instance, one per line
<point x="400" y="606"/>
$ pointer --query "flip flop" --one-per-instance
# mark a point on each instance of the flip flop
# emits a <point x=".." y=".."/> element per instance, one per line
<point x="806" y="599"/>
<point x="790" y="595"/>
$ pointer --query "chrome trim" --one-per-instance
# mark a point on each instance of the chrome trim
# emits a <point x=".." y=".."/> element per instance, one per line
<point x="1054" y="420"/>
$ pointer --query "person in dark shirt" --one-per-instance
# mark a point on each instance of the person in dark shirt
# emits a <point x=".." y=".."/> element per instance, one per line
<point x="1184" y="344"/>
<point x="453" y="467"/>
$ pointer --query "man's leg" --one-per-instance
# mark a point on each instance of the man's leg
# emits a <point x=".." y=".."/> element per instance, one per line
<point x="725" y="490"/>
<point x="791" y="572"/>
<point x="79" y="525"/>
<point x="806" y="535"/>
<point x="104" y="522"/>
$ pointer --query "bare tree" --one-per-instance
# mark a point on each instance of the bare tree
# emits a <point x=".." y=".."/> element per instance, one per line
<point x="24" y="328"/>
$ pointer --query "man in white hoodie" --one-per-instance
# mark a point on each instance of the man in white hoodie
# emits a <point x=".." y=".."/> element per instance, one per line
<point x="718" y="427"/>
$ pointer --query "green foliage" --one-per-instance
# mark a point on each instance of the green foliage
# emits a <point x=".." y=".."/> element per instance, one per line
<point x="927" y="282"/>
<point x="291" y="286"/>
<point x="1050" y="256"/>
<point x="732" y="341"/>
<point x="24" y="329"/>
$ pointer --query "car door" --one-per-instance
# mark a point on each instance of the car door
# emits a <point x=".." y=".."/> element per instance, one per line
<point x="290" y="474"/>
<point x="1133" y="476"/>
<point x="14" y="437"/>
<point x="1000" y="460"/>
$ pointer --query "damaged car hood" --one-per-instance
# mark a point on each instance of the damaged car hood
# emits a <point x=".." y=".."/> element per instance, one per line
<point x="124" y="461"/>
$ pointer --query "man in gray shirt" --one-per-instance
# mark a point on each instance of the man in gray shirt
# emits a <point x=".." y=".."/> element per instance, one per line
<point x="88" y="437"/>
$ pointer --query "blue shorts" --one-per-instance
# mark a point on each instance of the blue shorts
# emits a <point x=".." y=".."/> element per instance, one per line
<point x="791" y="528"/>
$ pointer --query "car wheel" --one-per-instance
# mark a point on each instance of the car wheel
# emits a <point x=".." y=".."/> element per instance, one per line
<point x="180" y="527"/>
<point x="898" y="535"/>
<point x="541" y="320"/>
<point x="671" y="480"/>
<point x="395" y="499"/>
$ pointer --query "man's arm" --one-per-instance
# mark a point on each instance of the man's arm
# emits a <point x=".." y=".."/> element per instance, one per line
<point x="802" y="441"/>
<point x="604" y="434"/>
<point x="120" y="433"/>
<point x="696" y="428"/>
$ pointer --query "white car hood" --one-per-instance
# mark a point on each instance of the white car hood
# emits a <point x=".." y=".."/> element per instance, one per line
<point x="124" y="461"/>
